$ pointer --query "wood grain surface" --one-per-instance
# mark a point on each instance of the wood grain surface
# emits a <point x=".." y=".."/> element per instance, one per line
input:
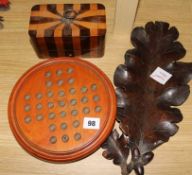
<point x="49" y="106"/>
<point x="17" y="55"/>
<point x="77" y="28"/>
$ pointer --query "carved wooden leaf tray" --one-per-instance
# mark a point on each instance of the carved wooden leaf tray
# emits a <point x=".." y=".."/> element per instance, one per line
<point x="146" y="110"/>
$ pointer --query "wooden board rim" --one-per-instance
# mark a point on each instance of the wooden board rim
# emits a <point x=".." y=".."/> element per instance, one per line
<point x="91" y="147"/>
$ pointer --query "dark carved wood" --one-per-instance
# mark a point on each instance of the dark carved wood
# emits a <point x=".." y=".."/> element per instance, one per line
<point x="146" y="113"/>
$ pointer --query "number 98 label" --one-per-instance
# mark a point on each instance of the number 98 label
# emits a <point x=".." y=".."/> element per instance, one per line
<point x="91" y="123"/>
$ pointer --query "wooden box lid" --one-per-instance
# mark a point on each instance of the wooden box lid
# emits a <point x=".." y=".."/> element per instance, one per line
<point x="67" y="20"/>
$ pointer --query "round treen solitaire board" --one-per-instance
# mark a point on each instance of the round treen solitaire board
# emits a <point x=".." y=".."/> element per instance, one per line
<point x="62" y="109"/>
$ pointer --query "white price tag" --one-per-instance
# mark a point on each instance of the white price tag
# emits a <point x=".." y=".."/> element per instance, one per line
<point x="91" y="123"/>
<point x="160" y="75"/>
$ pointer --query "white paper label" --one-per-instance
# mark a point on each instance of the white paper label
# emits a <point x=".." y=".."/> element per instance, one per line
<point x="160" y="75"/>
<point x="91" y="123"/>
